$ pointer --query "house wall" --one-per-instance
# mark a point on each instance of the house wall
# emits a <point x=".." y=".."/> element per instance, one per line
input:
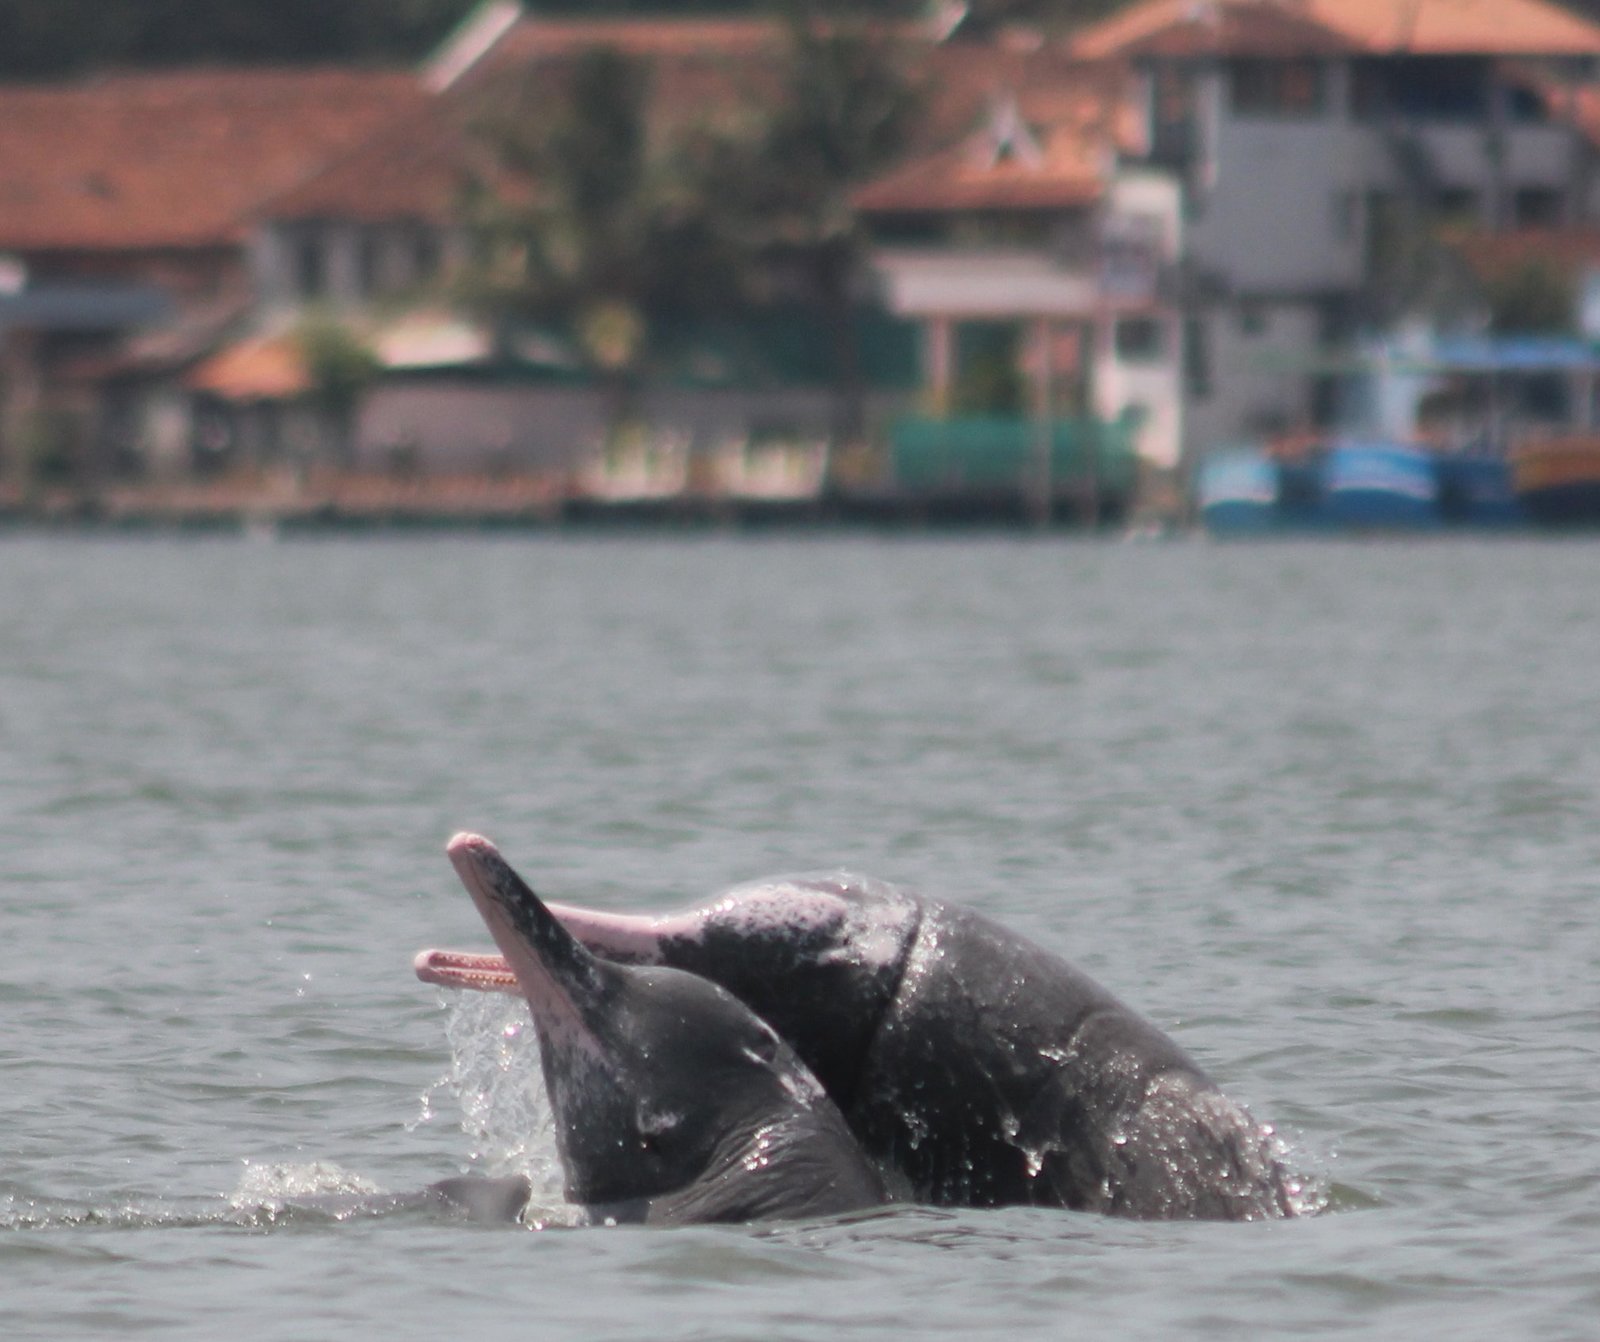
<point x="1256" y="357"/>
<point x="1276" y="200"/>
<point x="1150" y="383"/>
<point x="1271" y="197"/>
<point x="1150" y="387"/>
<point x="1277" y="221"/>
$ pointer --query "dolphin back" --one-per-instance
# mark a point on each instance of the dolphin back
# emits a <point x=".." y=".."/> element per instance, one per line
<point x="1003" y="1075"/>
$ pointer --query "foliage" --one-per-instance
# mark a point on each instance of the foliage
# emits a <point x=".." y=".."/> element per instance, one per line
<point x="43" y="38"/>
<point x="1532" y="297"/>
<point x="595" y="222"/>
<point x="844" y="111"/>
<point x="49" y="38"/>
<point x="338" y="362"/>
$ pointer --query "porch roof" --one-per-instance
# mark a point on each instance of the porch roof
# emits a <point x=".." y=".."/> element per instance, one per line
<point x="258" y="368"/>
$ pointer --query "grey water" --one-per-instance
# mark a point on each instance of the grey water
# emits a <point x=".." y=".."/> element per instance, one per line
<point x="1325" y="811"/>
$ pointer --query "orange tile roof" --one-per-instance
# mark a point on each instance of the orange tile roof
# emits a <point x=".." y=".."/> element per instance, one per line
<point x="1178" y="28"/>
<point x="1377" y="27"/>
<point x="697" y="67"/>
<point x="410" y="170"/>
<point x="413" y="168"/>
<point x="954" y="181"/>
<point x="536" y="37"/>
<point x="405" y="162"/>
<point x="260" y="368"/>
<point x="1076" y="117"/>
<point x="1461" y="27"/>
<point x="178" y="159"/>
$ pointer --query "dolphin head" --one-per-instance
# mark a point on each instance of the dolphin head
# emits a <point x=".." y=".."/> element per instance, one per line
<point x="657" y="1078"/>
<point x="819" y="957"/>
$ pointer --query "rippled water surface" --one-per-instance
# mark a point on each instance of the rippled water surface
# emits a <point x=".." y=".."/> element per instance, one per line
<point x="1327" y="812"/>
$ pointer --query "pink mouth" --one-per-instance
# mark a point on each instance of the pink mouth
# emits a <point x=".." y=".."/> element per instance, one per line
<point x="463" y="969"/>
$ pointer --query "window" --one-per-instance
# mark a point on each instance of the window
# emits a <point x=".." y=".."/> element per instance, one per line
<point x="1140" y="340"/>
<point x="1429" y="88"/>
<point x="1254" y="321"/>
<point x="1537" y="207"/>
<point x="370" y="260"/>
<point x="425" y="256"/>
<point x="1276" y="88"/>
<point x="310" y="267"/>
<point x="1196" y="358"/>
<point x="1459" y="205"/>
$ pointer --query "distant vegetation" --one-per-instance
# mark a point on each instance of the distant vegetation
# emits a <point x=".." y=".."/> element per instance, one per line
<point x="626" y="233"/>
<point x="43" y="39"/>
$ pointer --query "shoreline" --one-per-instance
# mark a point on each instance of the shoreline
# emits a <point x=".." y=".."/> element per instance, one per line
<point x="354" y="503"/>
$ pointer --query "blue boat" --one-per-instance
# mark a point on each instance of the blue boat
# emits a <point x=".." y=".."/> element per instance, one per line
<point x="1353" y="485"/>
<point x="1238" y="493"/>
<point x="1380" y="486"/>
<point x="1479" y="491"/>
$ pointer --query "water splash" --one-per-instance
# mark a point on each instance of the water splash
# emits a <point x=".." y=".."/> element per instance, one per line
<point x="495" y="1078"/>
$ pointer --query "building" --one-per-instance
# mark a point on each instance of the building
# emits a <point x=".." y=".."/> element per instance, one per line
<point x="127" y="202"/>
<point x="1317" y="141"/>
<point x="1031" y="241"/>
<point x="1166" y="223"/>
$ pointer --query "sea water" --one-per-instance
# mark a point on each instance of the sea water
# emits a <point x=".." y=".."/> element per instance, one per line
<point x="1327" y="812"/>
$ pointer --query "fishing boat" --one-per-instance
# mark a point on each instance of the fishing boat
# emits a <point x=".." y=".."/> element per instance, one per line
<point x="1556" y="478"/>
<point x="1380" y="486"/>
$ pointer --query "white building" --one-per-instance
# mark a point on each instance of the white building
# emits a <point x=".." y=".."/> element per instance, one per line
<point x="1311" y="137"/>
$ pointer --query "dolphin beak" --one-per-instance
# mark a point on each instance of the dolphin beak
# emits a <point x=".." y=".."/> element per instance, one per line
<point x="561" y="980"/>
<point x="466" y="969"/>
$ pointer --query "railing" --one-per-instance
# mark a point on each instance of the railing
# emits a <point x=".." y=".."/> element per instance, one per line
<point x="994" y="454"/>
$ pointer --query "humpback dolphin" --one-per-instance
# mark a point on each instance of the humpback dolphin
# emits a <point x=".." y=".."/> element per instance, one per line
<point x="983" y="1068"/>
<point x="673" y="1102"/>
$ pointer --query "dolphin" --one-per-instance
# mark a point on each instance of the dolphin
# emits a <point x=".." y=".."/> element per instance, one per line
<point x="673" y="1101"/>
<point x="984" y="1069"/>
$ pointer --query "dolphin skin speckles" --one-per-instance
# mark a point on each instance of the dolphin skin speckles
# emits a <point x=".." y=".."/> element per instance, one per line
<point x="978" y="1066"/>
<point x="673" y="1101"/>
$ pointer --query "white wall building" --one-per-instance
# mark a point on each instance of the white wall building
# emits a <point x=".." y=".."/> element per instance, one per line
<point x="1306" y="133"/>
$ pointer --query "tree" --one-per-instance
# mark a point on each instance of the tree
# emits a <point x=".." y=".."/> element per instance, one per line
<point x="595" y="222"/>
<point x="340" y="367"/>
<point x="42" y="38"/>
<point x="845" y="106"/>
<point x="1534" y="296"/>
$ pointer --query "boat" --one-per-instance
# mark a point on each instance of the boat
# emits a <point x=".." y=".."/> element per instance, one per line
<point x="1237" y="493"/>
<point x="1556" y="478"/>
<point x="1477" y="490"/>
<point x="1380" y="486"/>
<point x="1357" y="485"/>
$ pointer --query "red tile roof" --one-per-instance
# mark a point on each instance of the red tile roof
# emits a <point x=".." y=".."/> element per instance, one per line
<point x="1306" y="27"/>
<point x="1179" y="28"/>
<point x="175" y="160"/>
<point x="698" y="67"/>
<point x="410" y="170"/>
<point x="1058" y="160"/>
<point x="260" y="368"/>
